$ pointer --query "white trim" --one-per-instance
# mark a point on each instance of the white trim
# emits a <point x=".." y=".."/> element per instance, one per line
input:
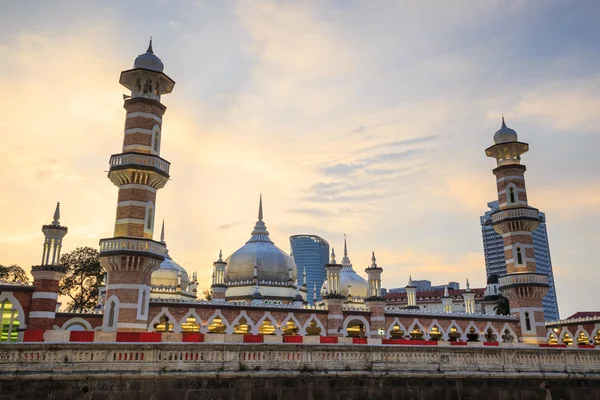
<point x="129" y="305"/>
<point x="106" y="314"/>
<point x="516" y="233"/>
<point x="267" y="316"/>
<point x="511" y="178"/>
<point x="137" y="147"/>
<point x="525" y="259"/>
<point x="171" y="320"/>
<point x="138" y="186"/>
<point x="16" y="305"/>
<point x="131" y="325"/>
<point x="115" y="286"/>
<point x="131" y="203"/>
<point x="335" y="316"/>
<point x="129" y="221"/>
<point x="360" y="318"/>
<point x="522" y="190"/>
<point x="313" y="317"/>
<point x="378" y="318"/>
<point x="523" y="246"/>
<point x="518" y="202"/>
<point x="44" y="295"/>
<point x="138" y="130"/>
<point x="76" y="321"/>
<point x="527" y="308"/>
<point x="141" y="305"/>
<point x="144" y="115"/>
<point x="42" y="314"/>
<point x="333" y="331"/>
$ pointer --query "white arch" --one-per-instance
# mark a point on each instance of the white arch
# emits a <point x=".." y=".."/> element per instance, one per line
<point x="472" y="324"/>
<point x="462" y="336"/>
<point x="266" y="315"/>
<point x="551" y="332"/>
<point x="8" y="296"/>
<point x="313" y="317"/>
<point x="358" y="318"/>
<point x="76" y="321"/>
<point x="291" y="317"/>
<point x="164" y="312"/>
<point x="417" y="323"/>
<point x="395" y="322"/>
<point x="494" y="331"/>
<point x="191" y="313"/>
<point x="580" y="329"/>
<point x="435" y="322"/>
<point x="236" y="321"/>
<point x="210" y="320"/>
<point x="512" y="332"/>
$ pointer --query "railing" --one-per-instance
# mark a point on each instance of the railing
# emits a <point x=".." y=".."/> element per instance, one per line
<point x="516" y="213"/>
<point x="140" y="159"/>
<point x="442" y="314"/>
<point x="169" y="358"/>
<point x="131" y="244"/>
<point x="523" y="278"/>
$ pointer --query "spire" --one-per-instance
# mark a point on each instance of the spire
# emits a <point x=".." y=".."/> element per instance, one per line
<point x="162" y="232"/>
<point x="468" y="289"/>
<point x="373" y="259"/>
<point x="503" y="123"/>
<point x="220" y="255"/>
<point x="346" y="261"/>
<point x="260" y="233"/>
<point x="304" y="277"/>
<point x="56" y="217"/>
<point x="446" y="294"/>
<point x="332" y="261"/>
<point x="150" y="46"/>
<point x="345" y="247"/>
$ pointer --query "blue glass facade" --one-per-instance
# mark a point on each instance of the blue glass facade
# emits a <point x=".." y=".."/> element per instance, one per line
<point x="493" y="248"/>
<point x="310" y="252"/>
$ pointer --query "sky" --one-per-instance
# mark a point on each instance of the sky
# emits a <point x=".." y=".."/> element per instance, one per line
<point x="364" y="118"/>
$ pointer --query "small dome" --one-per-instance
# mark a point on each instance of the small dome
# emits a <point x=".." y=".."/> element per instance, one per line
<point x="359" y="285"/>
<point x="149" y="61"/>
<point x="492" y="279"/>
<point x="167" y="274"/>
<point x="505" y="134"/>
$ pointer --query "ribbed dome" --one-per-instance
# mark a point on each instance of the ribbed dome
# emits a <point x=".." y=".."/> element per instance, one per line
<point x="273" y="264"/>
<point x="167" y="274"/>
<point x="148" y="60"/>
<point x="505" y="134"/>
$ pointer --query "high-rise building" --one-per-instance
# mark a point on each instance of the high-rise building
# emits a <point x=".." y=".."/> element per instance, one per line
<point x="495" y="264"/>
<point x="310" y="253"/>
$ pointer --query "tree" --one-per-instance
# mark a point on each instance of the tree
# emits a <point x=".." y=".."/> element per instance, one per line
<point x="207" y="294"/>
<point x="503" y="306"/>
<point x="13" y="273"/>
<point x="83" y="276"/>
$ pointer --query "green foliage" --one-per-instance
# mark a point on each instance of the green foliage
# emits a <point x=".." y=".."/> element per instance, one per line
<point x="13" y="273"/>
<point x="503" y="306"/>
<point x="83" y="276"/>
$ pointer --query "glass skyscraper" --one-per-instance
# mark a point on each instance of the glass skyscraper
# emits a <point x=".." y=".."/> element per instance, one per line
<point x="493" y="248"/>
<point x="311" y="253"/>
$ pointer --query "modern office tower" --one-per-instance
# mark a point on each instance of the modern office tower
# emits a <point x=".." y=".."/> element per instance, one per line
<point x="310" y="253"/>
<point x="493" y="248"/>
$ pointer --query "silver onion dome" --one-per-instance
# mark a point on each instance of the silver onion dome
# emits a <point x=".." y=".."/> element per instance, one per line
<point x="505" y="134"/>
<point x="148" y="60"/>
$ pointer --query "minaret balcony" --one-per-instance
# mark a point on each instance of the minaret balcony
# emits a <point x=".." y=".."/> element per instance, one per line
<point x="523" y="279"/>
<point x="129" y="246"/>
<point x="139" y="168"/>
<point x="525" y="219"/>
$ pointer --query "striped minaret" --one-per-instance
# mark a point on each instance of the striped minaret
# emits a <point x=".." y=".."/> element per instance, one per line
<point x="515" y="220"/>
<point x="139" y="172"/>
<point x="47" y="277"/>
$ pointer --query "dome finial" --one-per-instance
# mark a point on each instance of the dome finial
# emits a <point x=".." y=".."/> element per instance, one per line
<point x="332" y="261"/>
<point x="345" y="247"/>
<point x="162" y="232"/>
<point x="446" y="294"/>
<point x="150" y="47"/>
<point x="468" y="286"/>
<point x="220" y="255"/>
<point x="260" y="233"/>
<point x="260" y="211"/>
<point x="373" y="257"/>
<point x="56" y="216"/>
<point x="503" y="123"/>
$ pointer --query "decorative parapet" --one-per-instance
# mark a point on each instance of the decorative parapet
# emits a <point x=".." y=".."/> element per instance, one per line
<point x="240" y="303"/>
<point x="515" y="213"/>
<point x="82" y="312"/>
<point x="137" y="160"/>
<point x="355" y="307"/>
<point x="520" y="279"/>
<point x="132" y="246"/>
<point x="454" y="314"/>
<point x="571" y="321"/>
<point x="47" y="361"/>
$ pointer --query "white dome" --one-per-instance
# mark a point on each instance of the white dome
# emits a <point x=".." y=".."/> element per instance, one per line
<point x="505" y="134"/>
<point x="273" y="264"/>
<point x="348" y="276"/>
<point x="167" y="274"/>
<point x="149" y="61"/>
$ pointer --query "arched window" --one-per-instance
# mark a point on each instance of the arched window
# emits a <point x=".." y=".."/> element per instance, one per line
<point x="10" y="323"/>
<point x="527" y="321"/>
<point x="143" y="312"/>
<point x="111" y="315"/>
<point x="149" y="219"/>
<point x="511" y="192"/>
<point x="519" y="256"/>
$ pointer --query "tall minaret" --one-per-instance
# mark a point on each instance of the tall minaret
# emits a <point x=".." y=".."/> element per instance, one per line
<point x="138" y="171"/>
<point x="374" y="301"/>
<point x="47" y="276"/>
<point x="515" y="220"/>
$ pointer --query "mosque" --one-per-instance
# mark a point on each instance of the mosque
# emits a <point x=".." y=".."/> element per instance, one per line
<point x="258" y="291"/>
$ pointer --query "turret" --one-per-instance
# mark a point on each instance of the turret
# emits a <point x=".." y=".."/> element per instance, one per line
<point x="374" y="301"/>
<point x="219" y="288"/>
<point x="411" y="295"/>
<point x="47" y="276"/>
<point x="333" y="298"/>
<point x="469" y="298"/>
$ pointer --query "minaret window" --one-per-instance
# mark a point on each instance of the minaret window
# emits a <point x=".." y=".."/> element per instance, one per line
<point x="149" y="219"/>
<point x="156" y="139"/>
<point x="519" y="256"/>
<point x="511" y="192"/>
<point x="527" y="321"/>
<point x="111" y="315"/>
<point x="143" y="303"/>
